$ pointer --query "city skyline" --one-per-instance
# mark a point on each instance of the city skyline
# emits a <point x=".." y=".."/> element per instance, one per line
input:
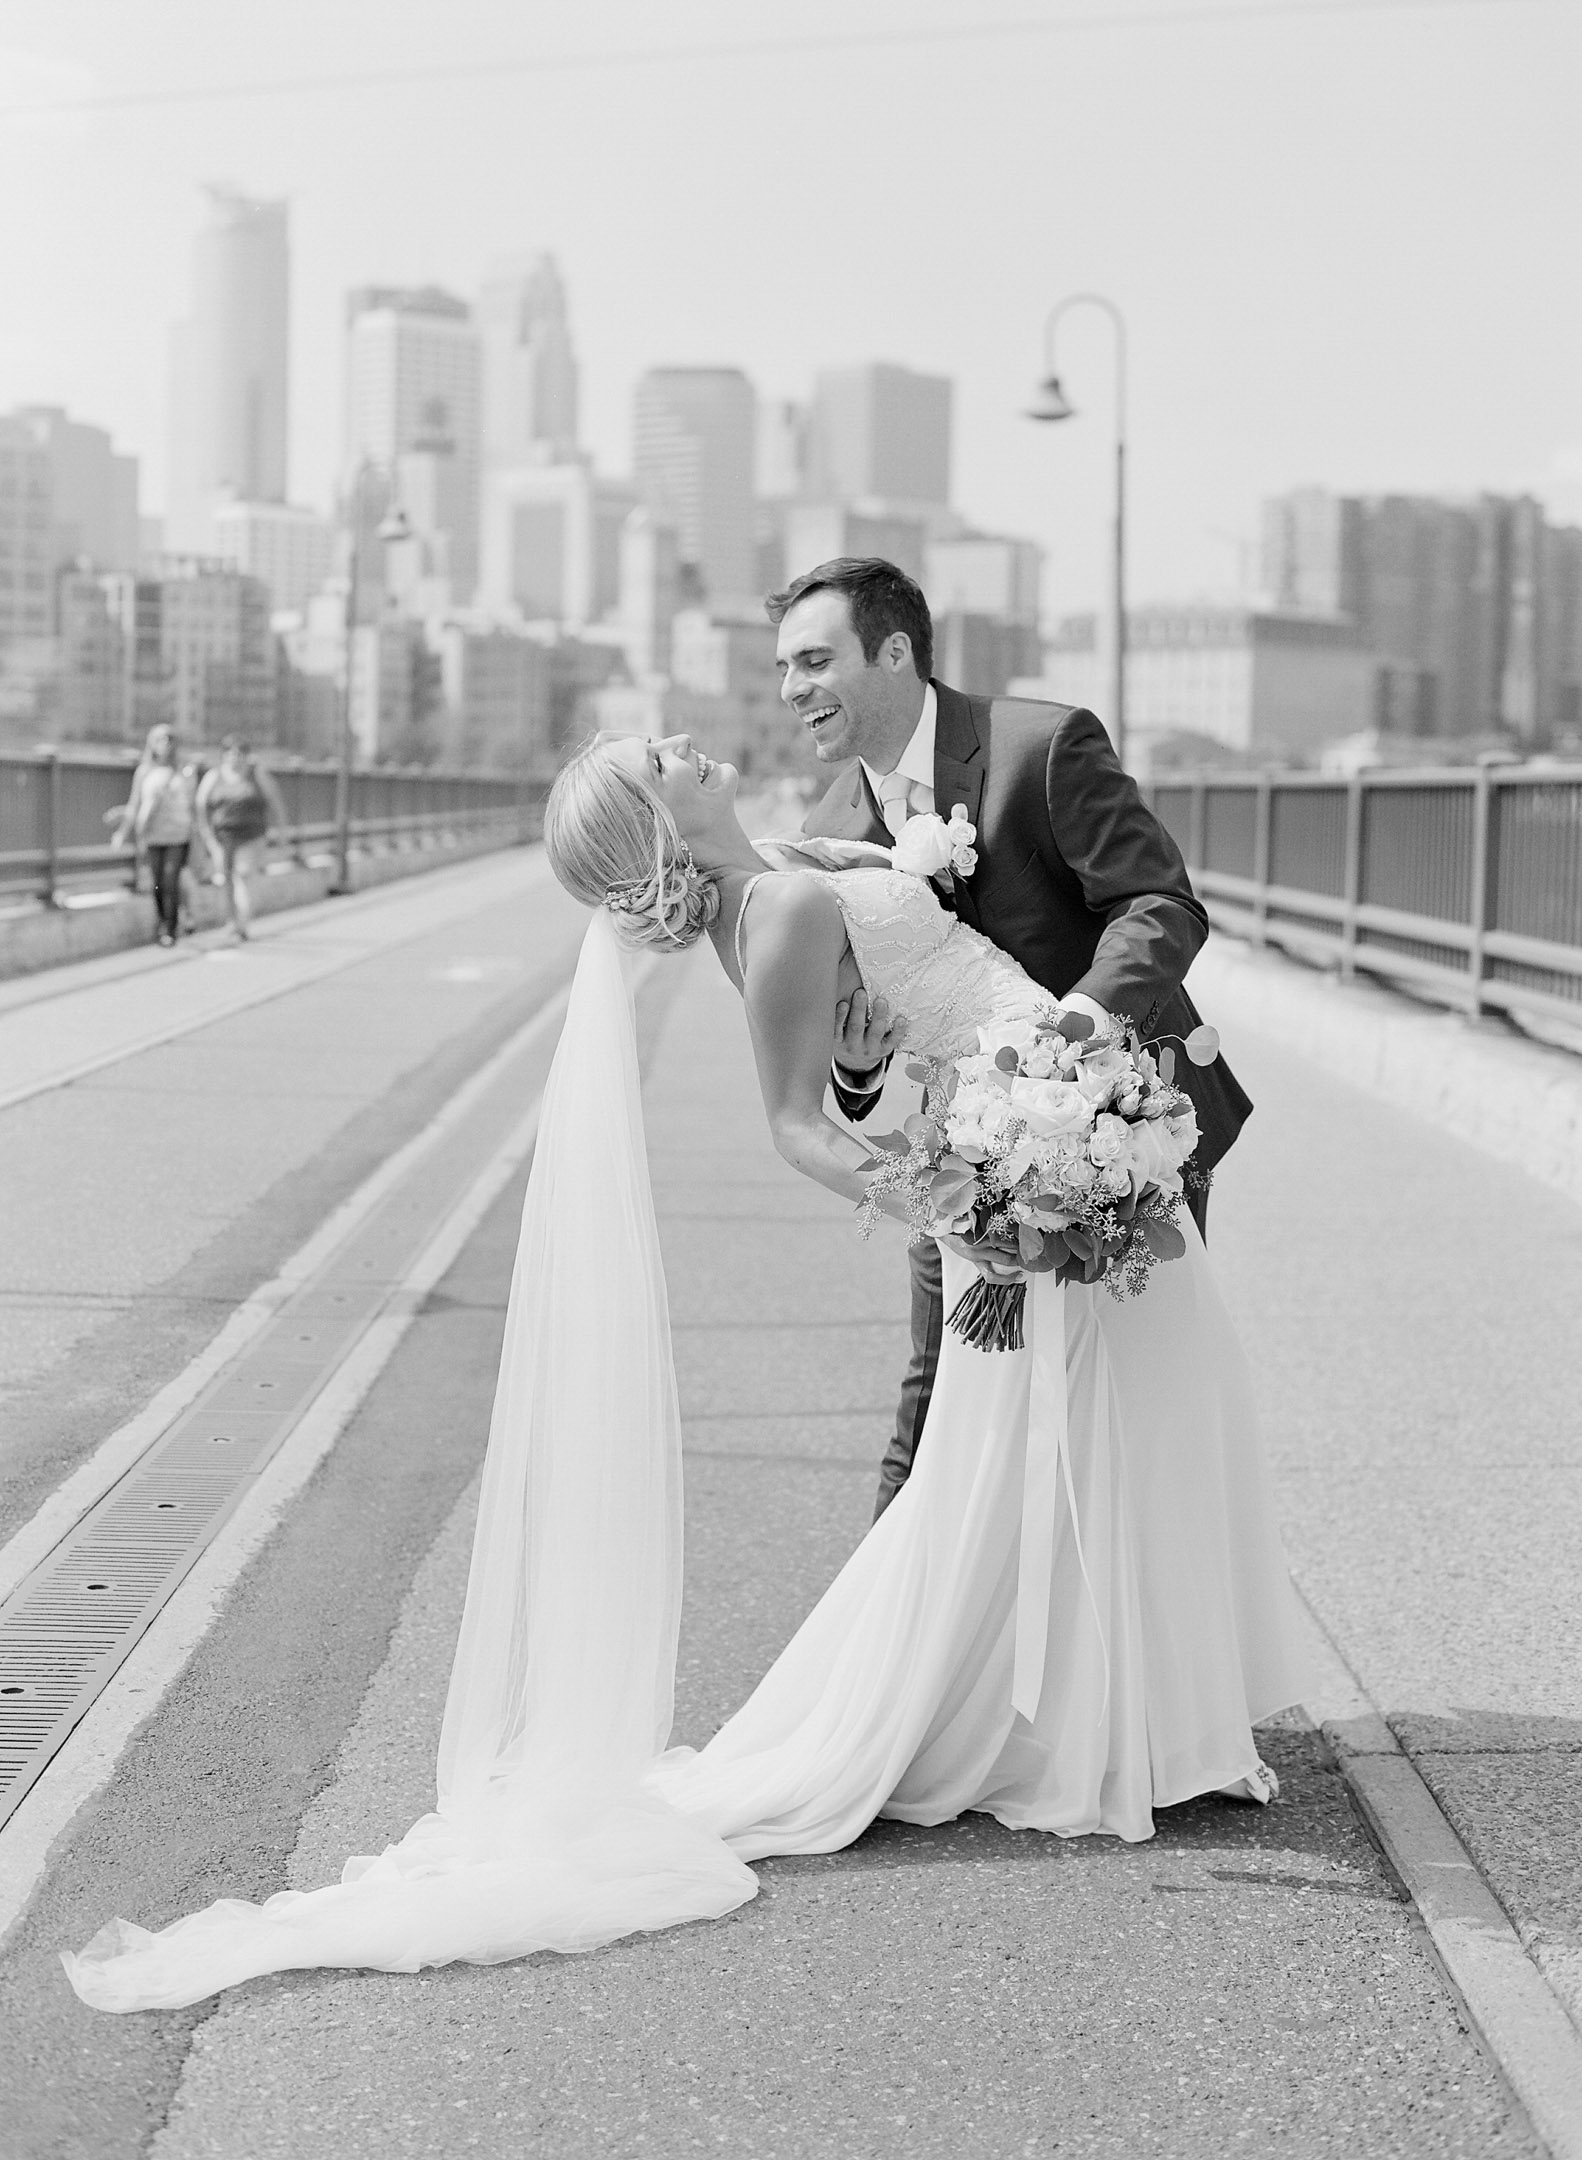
<point x="1321" y="285"/>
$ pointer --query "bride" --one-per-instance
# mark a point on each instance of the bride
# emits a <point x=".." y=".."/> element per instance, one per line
<point x="1074" y="1612"/>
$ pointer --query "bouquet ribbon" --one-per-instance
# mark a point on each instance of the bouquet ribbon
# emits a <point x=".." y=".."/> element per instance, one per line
<point x="1047" y="1471"/>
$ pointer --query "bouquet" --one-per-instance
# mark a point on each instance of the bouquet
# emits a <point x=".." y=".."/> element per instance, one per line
<point x="1059" y="1145"/>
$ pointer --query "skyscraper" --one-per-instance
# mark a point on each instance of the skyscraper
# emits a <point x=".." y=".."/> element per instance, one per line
<point x="880" y="431"/>
<point x="414" y="404"/>
<point x="1469" y="607"/>
<point x="694" y="464"/>
<point x="229" y="387"/>
<point x="529" y="368"/>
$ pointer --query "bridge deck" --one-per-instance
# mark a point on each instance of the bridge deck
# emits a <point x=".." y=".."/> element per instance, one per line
<point x="1249" y="1980"/>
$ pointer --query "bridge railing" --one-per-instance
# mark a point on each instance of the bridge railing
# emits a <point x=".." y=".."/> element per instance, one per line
<point x="1463" y="883"/>
<point x="55" y="825"/>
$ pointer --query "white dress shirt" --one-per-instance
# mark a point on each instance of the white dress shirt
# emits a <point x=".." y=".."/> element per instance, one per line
<point x="916" y="761"/>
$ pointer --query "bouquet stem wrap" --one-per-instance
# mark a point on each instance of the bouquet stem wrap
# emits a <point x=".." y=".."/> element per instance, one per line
<point x="989" y="1314"/>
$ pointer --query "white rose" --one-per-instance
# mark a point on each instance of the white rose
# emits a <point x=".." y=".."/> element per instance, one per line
<point x="1153" y="1154"/>
<point x="1039" y="1062"/>
<point x="1110" y="1142"/>
<point x="923" y="847"/>
<point x="1017" y="1035"/>
<point x="1080" y="1174"/>
<point x="1182" y="1127"/>
<point x="1099" y="1076"/>
<point x="1052" y="1108"/>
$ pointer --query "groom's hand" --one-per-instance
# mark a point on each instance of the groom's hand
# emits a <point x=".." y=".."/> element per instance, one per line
<point x="866" y="1038"/>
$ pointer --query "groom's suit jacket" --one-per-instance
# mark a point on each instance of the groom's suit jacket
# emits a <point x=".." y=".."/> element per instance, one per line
<point x="1076" y="878"/>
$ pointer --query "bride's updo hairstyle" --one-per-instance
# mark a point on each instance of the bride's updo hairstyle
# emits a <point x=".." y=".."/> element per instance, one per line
<point x="613" y="844"/>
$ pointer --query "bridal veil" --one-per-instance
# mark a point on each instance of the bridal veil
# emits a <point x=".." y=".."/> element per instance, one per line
<point x="561" y="1695"/>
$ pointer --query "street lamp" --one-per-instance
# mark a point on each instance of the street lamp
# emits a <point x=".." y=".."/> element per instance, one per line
<point x="394" y="525"/>
<point x="1051" y="403"/>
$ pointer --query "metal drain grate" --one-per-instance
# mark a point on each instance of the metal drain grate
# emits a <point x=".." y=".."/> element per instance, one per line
<point x="69" y="1625"/>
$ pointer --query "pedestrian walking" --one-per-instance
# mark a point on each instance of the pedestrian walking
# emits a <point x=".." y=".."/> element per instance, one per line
<point x="238" y="803"/>
<point x="160" y="818"/>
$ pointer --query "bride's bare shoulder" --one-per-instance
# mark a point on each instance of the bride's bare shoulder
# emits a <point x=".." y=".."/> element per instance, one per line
<point x="795" y="902"/>
<point x="794" y="918"/>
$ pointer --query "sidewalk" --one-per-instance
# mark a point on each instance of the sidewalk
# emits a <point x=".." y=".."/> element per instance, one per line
<point x="1249" y="1981"/>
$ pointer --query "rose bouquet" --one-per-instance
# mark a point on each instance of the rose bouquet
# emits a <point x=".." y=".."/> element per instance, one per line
<point x="1060" y="1146"/>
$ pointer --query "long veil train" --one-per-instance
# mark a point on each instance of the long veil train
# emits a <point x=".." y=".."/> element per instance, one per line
<point x="561" y="1696"/>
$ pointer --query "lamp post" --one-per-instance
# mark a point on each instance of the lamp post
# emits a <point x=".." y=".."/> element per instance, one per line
<point x="1051" y="403"/>
<point x="395" y="525"/>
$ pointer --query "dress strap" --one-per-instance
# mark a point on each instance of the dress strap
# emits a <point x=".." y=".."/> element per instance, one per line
<point x="741" y="917"/>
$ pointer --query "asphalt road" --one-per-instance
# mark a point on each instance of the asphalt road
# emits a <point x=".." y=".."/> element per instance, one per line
<point x="1251" y="1981"/>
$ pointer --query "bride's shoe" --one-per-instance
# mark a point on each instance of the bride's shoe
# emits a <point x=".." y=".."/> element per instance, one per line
<point x="1261" y="1787"/>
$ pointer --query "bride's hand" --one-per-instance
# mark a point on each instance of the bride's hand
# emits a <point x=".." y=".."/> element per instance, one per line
<point x="1001" y="1263"/>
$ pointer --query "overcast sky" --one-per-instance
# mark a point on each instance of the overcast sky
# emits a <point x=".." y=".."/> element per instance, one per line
<point x="1347" y="239"/>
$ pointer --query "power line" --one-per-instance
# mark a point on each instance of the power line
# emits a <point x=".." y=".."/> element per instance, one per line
<point x="562" y="63"/>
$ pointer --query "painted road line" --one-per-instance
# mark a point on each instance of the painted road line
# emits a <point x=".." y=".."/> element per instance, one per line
<point x="291" y="969"/>
<point x="1522" y="2022"/>
<point x="89" y="1757"/>
<point x="115" y="1456"/>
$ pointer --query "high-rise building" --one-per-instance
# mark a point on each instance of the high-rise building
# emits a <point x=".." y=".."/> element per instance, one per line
<point x="880" y="431"/>
<point x="552" y="542"/>
<point x="650" y="591"/>
<point x="983" y="591"/>
<point x="90" y="700"/>
<point x="1252" y="681"/>
<point x="782" y="449"/>
<point x="198" y="648"/>
<point x="815" y="532"/>
<point x="93" y="490"/>
<point x="290" y="548"/>
<point x="65" y="497"/>
<point x="529" y="367"/>
<point x="694" y="455"/>
<point x="229" y="378"/>
<point x="1471" y="608"/>
<point x="414" y="414"/>
<point x="27" y="531"/>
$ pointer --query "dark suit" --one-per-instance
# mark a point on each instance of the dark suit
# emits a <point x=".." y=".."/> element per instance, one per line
<point x="1077" y="880"/>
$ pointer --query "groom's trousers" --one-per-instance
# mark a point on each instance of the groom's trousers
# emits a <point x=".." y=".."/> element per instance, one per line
<point x="928" y="1326"/>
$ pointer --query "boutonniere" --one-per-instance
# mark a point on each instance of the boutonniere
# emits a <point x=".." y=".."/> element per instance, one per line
<point x="929" y="848"/>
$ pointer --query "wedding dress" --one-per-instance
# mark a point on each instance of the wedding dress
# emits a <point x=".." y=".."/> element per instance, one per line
<point x="1074" y="1611"/>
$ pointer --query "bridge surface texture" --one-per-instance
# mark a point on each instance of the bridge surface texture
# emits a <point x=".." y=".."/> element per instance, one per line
<point x="1251" y="1981"/>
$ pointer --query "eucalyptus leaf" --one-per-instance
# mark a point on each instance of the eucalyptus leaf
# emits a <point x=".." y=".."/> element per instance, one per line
<point x="1007" y="1060"/>
<point x="1202" y="1045"/>
<point x="1162" y="1238"/>
<point x="1167" y="1065"/>
<point x="1076" y="1027"/>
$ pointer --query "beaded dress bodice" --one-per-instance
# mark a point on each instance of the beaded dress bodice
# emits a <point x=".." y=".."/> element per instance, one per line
<point x="946" y="977"/>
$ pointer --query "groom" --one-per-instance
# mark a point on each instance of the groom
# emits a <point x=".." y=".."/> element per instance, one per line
<point x="1076" y="877"/>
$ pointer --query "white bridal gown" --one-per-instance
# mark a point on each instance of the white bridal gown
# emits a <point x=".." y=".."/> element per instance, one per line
<point x="1074" y="1611"/>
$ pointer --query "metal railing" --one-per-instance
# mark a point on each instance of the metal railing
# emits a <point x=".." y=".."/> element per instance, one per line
<point x="1463" y="883"/>
<point x="55" y="828"/>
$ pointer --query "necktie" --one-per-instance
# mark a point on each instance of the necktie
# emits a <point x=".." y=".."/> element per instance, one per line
<point x="898" y="800"/>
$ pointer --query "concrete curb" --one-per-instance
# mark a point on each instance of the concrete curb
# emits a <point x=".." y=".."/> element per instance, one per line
<point x="1518" y="1100"/>
<point x="1523" y="2023"/>
<point x="35" y="938"/>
